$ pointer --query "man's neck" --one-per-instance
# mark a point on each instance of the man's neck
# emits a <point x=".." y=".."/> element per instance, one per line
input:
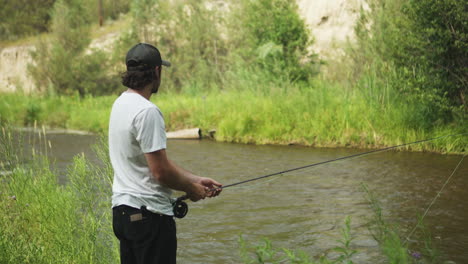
<point x="146" y="93"/>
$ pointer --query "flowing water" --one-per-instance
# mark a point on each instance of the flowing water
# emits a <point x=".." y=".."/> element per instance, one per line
<point x="305" y="209"/>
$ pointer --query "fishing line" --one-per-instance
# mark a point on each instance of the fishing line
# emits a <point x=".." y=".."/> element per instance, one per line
<point x="434" y="199"/>
<point x="261" y="183"/>
<point x="337" y="159"/>
<point x="181" y="208"/>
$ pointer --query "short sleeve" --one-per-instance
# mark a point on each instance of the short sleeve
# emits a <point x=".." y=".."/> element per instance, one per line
<point x="150" y="130"/>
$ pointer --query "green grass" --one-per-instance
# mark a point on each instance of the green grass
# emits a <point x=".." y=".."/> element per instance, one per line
<point x="90" y="114"/>
<point x="46" y="222"/>
<point x="322" y="114"/>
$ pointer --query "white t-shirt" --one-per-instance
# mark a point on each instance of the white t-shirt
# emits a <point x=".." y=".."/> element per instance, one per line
<point x="136" y="127"/>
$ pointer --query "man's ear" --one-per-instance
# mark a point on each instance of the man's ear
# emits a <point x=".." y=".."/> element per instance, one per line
<point x="157" y="71"/>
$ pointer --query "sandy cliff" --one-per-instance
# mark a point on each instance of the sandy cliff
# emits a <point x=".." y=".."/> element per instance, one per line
<point x="13" y="69"/>
<point x="331" y="23"/>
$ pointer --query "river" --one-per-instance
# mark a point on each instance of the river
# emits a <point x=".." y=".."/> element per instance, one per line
<point x="305" y="210"/>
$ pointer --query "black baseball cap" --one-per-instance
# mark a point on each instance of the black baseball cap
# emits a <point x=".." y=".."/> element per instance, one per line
<point x="143" y="57"/>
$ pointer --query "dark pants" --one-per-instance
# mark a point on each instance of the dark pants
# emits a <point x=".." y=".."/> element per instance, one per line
<point x="145" y="237"/>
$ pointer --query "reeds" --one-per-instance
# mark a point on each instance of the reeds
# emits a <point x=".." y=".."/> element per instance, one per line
<point x="46" y="222"/>
<point x="265" y="252"/>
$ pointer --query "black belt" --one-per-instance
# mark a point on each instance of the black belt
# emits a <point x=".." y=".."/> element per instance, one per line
<point x="136" y="214"/>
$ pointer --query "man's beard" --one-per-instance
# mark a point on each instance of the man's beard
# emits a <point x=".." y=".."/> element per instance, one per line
<point x="155" y="88"/>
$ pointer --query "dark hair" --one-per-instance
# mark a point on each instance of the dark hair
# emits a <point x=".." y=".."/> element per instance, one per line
<point x="137" y="80"/>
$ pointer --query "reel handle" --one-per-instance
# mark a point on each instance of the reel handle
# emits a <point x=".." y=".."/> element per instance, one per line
<point x="179" y="207"/>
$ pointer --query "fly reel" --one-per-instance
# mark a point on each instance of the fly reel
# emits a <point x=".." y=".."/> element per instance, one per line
<point x="180" y="208"/>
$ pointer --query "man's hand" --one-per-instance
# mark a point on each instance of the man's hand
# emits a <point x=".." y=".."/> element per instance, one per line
<point x="204" y="187"/>
<point x="213" y="187"/>
<point x="197" y="192"/>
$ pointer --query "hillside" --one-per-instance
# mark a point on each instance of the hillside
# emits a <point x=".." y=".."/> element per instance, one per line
<point x="330" y="21"/>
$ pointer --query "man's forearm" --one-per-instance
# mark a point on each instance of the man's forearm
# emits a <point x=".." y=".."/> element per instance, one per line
<point x="169" y="174"/>
<point x="192" y="177"/>
<point x="177" y="178"/>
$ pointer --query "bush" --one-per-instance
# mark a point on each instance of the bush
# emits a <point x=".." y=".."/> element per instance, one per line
<point x="272" y="34"/>
<point x="209" y="43"/>
<point x="419" y="49"/>
<point x="441" y="30"/>
<point x="187" y="33"/>
<point x="23" y="17"/>
<point x="113" y="8"/>
<point x="63" y="64"/>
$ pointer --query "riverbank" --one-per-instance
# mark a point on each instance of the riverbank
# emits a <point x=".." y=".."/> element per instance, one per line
<point x="323" y="116"/>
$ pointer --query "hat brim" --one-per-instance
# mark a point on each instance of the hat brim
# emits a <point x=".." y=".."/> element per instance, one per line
<point x="165" y="63"/>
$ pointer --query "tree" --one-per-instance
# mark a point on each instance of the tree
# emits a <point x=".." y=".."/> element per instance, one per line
<point x="441" y="27"/>
<point x="419" y="48"/>
<point x="272" y="32"/>
<point x="24" y="17"/>
<point x="63" y="62"/>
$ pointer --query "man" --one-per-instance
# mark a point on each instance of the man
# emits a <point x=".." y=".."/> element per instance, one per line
<point x="143" y="175"/>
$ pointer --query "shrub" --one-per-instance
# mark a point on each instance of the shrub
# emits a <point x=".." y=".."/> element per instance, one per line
<point x="22" y="17"/>
<point x="187" y="33"/>
<point x="209" y="43"/>
<point x="441" y="30"/>
<point x="419" y="49"/>
<point x="63" y="63"/>
<point x="272" y="34"/>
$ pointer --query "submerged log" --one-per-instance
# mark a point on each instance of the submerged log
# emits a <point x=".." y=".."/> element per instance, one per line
<point x="212" y="133"/>
<point x="192" y="133"/>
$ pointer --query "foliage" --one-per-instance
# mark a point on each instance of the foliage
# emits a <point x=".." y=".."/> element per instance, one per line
<point x="264" y="252"/>
<point x="273" y="34"/>
<point x="49" y="222"/>
<point x="441" y="30"/>
<point x="187" y="33"/>
<point x="345" y="250"/>
<point x="392" y="245"/>
<point x="422" y="44"/>
<point x="90" y="114"/>
<point x="209" y="42"/>
<point x="269" y="113"/>
<point x="21" y="18"/>
<point x="112" y="9"/>
<point x="63" y="64"/>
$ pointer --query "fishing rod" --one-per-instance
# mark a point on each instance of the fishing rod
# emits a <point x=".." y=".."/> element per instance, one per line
<point x="181" y="208"/>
